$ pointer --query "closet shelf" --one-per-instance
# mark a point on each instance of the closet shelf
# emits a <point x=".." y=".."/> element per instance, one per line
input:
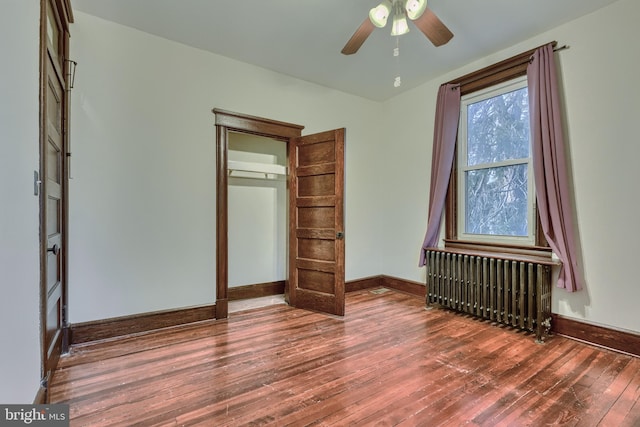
<point x="255" y="167"/>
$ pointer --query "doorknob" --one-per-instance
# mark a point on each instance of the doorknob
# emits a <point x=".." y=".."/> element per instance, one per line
<point x="55" y="249"/>
<point x="339" y="235"/>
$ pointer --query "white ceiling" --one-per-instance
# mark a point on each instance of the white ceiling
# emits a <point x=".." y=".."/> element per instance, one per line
<point x="303" y="38"/>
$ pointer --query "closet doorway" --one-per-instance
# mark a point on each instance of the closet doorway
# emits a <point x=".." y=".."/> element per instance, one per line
<point x="257" y="220"/>
<point x="315" y="223"/>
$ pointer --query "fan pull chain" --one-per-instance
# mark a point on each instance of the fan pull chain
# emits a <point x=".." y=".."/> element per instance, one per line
<point x="396" y="52"/>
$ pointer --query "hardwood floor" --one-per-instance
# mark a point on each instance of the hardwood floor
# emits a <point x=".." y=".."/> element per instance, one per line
<point x="388" y="362"/>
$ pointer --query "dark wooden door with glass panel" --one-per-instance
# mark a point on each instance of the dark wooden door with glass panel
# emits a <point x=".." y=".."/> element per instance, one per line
<point x="52" y="195"/>
<point x="53" y="185"/>
<point x="316" y="230"/>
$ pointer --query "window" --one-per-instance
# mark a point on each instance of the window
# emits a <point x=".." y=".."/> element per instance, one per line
<point x="495" y="194"/>
<point x="490" y="204"/>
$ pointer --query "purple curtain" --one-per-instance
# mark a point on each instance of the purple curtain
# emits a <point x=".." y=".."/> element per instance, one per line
<point x="549" y="165"/>
<point x="444" y="145"/>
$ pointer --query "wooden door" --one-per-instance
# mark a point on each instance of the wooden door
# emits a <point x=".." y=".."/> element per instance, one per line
<point x="316" y="223"/>
<point x="53" y="185"/>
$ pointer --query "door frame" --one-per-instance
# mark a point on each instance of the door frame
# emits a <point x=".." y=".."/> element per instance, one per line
<point x="228" y="121"/>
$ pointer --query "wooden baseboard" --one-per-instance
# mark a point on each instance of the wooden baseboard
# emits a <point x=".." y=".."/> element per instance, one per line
<point x="137" y="323"/>
<point x="623" y="341"/>
<point x="403" y="285"/>
<point x="277" y="288"/>
<point x="395" y="283"/>
<point x="256" y="291"/>
<point x="364" y="283"/>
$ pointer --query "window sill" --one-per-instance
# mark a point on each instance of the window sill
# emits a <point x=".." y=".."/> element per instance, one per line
<point x="534" y="254"/>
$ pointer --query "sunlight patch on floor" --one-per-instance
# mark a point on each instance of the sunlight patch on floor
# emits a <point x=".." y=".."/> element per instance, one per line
<point x="248" y="304"/>
<point x="379" y="291"/>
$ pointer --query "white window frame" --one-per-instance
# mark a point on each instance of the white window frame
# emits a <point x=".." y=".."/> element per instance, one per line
<point x="462" y="167"/>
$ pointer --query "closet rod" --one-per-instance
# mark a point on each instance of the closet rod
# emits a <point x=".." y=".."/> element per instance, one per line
<point x="255" y="167"/>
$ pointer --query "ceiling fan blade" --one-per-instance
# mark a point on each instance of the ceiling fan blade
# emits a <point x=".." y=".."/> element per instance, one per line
<point x="433" y="28"/>
<point x="358" y="38"/>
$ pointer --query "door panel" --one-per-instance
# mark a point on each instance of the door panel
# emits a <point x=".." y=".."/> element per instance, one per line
<point x="316" y="185"/>
<point x="316" y="246"/>
<point x="52" y="194"/>
<point x="317" y="280"/>
<point x="319" y="153"/>
<point x="314" y="218"/>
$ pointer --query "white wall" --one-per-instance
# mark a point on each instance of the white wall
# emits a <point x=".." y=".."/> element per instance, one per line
<point x="597" y="73"/>
<point x="19" y="260"/>
<point x="142" y="197"/>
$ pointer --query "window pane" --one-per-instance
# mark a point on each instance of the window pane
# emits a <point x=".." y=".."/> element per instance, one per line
<point x="53" y="33"/>
<point x="498" y="128"/>
<point x="497" y="201"/>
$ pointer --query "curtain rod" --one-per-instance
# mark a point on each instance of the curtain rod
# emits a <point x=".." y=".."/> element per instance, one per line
<point x="555" y="49"/>
<point x="502" y="67"/>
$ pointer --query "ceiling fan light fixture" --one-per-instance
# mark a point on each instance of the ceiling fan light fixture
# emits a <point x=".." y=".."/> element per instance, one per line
<point x="379" y="14"/>
<point x="400" y="25"/>
<point x="415" y="8"/>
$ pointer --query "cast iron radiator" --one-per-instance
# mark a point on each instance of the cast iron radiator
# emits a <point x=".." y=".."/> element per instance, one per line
<point x="511" y="292"/>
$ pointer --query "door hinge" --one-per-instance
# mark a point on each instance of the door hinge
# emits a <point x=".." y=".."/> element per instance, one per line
<point x="36" y="183"/>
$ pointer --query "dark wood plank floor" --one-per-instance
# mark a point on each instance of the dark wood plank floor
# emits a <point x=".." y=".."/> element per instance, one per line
<point x="388" y="362"/>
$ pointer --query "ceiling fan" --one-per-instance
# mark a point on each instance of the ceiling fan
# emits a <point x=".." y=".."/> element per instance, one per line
<point x="416" y="10"/>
